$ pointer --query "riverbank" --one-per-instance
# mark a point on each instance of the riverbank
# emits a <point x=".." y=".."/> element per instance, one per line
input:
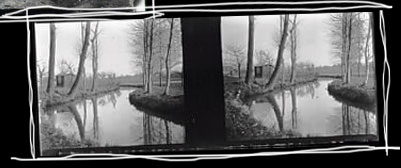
<point x="239" y="123"/>
<point x="243" y="91"/>
<point x="169" y="107"/>
<point x="362" y="97"/>
<point x="60" y="98"/>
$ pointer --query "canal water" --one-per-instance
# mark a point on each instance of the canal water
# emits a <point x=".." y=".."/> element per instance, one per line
<point x="108" y="120"/>
<point x="310" y="111"/>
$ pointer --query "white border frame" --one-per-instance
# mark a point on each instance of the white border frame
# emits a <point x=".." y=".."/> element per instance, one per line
<point x="157" y="11"/>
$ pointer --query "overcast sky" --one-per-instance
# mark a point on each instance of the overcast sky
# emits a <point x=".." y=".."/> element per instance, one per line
<point x="116" y="54"/>
<point x="313" y="44"/>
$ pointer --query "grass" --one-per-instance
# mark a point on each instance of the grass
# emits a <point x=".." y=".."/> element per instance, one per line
<point x="169" y="107"/>
<point x="240" y="125"/>
<point x="54" y="138"/>
<point x="353" y="93"/>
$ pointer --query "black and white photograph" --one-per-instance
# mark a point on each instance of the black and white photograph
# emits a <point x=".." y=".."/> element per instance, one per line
<point x="110" y="83"/>
<point x="299" y="75"/>
<point x="175" y="81"/>
<point x="20" y="4"/>
<point x="120" y="83"/>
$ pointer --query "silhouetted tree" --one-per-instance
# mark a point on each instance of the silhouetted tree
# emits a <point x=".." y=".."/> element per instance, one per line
<point x="279" y="62"/>
<point x="52" y="59"/>
<point x="82" y="58"/>
<point x="251" y="41"/>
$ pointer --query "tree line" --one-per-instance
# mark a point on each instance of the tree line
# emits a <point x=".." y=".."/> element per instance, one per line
<point x="288" y="29"/>
<point x="351" y="41"/>
<point x="157" y="47"/>
<point x="88" y="47"/>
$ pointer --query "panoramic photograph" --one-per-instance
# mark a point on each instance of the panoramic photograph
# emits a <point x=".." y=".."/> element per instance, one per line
<point x="299" y="75"/>
<point x="20" y="4"/>
<point x="109" y="83"/>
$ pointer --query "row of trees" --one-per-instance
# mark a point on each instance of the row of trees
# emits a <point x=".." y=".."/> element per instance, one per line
<point x="288" y="28"/>
<point x="157" y="46"/>
<point x="89" y="38"/>
<point x="351" y="34"/>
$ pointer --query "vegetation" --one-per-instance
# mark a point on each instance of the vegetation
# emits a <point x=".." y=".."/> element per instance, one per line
<point x="353" y="44"/>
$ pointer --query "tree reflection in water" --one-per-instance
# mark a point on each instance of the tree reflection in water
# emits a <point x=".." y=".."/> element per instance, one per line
<point x="156" y="130"/>
<point x="80" y="124"/>
<point x="349" y="119"/>
<point x="294" y="115"/>
<point x="352" y="121"/>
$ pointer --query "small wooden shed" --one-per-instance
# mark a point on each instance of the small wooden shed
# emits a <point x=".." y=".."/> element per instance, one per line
<point x="64" y="79"/>
<point x="263" y="71"/>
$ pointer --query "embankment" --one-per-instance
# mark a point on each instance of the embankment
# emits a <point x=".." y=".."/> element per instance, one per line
<point x="60" y="99"/>
<point x="170" y="108"/>
<point x="361" y="97"/>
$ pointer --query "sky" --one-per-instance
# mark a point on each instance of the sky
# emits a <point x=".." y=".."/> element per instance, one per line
<point x="116" y="54"/>
<point x="314" y="39"/>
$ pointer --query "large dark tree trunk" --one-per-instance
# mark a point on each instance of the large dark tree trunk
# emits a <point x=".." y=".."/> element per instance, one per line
<point x="82" y="58"/>
<point x="279" y="62"/>
<point x="249" y="68"/>
<point x="52" y="59"/>
<point x="167" y="61"/>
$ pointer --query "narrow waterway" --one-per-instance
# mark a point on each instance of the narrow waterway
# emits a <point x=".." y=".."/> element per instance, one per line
<point x="108" y="120"/>
<point x="309" y="111"/>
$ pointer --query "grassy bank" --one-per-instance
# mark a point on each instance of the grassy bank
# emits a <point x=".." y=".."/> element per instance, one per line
<point x="240" y="125"/>
<point x="234" y="86"/>
<point x="358" y="96"/>
<point x="169" y="107"/>
<point x="61" y="97"/>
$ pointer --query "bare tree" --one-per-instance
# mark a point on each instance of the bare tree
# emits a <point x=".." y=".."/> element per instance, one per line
<point x="95" y="55"/>
<point x="82" y="58"/>
<point x="149" y="61"/>
<point x="167" y="58"/>
<point x="52" y="59"/>
<point x="263" y="57"/>
<point x="367" y="50"/>
<point x="236" y="55"/>
<point x="251" y="41"/>
<point x="349" y="35"/>
<point x="66" y="67"/>
<point x="41" y="71"/>
<point x="280" y="60"/>
<point x="339" y="32"/>
<point x="293" y="47"/>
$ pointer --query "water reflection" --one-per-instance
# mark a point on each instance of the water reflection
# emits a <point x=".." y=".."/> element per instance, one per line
<point x="108" y="120"/>
<point x="309" y="110"/>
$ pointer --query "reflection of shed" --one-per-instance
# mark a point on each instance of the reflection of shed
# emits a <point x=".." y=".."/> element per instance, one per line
<point x="263" y="71"/>
<point x="64" y="80"/>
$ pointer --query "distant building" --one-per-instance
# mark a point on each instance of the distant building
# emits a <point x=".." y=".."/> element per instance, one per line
<point x="263" y="71"/>
<point x="65" y="79"/>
